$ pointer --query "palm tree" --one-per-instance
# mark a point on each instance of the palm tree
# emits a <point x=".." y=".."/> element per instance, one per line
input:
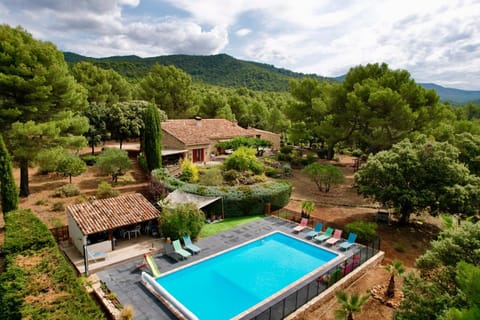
<point x="307" y="208"/>
<point x="350" y="305"/>
<point x="395" y="269"/>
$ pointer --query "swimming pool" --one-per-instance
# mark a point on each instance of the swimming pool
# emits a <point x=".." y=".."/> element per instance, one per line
<point x="232" y="282"/>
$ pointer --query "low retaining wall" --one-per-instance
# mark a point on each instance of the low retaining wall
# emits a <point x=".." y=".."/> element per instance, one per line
<point x="104" y="246"/>
<point x="340" y="285"/>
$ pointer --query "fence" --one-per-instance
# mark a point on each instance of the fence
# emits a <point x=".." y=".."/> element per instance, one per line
<point x="60" y="233"/>
<point x="320" y="283"/>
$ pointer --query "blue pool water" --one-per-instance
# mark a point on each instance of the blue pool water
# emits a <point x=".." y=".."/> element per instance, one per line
<point x="230" y="283"/>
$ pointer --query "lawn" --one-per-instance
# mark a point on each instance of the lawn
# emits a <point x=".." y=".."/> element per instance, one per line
<point x="213" y="228"/>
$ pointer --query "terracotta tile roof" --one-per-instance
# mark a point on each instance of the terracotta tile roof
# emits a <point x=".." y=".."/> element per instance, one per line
<point x="197" y="132"/>
<point x="111" y="213"/>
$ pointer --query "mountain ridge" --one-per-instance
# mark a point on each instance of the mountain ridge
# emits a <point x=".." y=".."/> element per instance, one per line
<point x="225" y="70"/>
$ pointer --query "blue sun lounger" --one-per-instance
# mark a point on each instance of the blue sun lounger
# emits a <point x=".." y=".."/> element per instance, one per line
<point x="189" y="245"/>
<point x="316" y="231"/>
<point x="350" y="241"/>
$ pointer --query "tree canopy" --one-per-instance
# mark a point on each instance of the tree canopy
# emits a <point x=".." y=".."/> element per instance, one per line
<point x="35" y="88"/>
<point x="8" y="189"/>
<point x="446" y="271"/>
<point x="114" y="162"/>
<point x="153" y="137"/>
<point x="169" y="87"/>
<point x="35" y="82"/>
<point x="420" y="176"/>
<point x="373" y="108"/>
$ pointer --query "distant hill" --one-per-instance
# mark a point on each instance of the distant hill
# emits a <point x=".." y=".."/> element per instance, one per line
<point x="220" y="69"/>
<point x="455" y="96"/>
<point x="224" y="70"/>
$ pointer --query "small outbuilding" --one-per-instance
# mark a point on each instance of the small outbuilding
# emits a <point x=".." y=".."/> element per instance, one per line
<point x="91" y="218"/>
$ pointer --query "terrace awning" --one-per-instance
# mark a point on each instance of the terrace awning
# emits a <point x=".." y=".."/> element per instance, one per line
<point x="179" y="196"/>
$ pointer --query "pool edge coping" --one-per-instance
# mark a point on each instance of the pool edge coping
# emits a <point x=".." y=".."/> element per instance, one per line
<point x="339" y="256"/>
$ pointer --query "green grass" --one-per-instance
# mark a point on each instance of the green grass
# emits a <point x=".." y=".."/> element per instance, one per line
<point x="228" y="223"/>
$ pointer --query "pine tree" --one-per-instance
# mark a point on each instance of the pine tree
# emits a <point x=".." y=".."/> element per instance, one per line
<point x="9" y="193"/>
<point x="153" y="137"/>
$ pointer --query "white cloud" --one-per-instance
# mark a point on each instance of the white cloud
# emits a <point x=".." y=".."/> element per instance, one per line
<point x="436" y="40"/>
<point x="243" y="32"/>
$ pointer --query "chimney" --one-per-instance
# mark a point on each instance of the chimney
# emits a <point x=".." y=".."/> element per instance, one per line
<point x="198" y="121"/>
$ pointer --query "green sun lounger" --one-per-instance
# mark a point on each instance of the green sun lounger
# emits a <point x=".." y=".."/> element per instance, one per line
<point x="177" y="246"/>
<point x="324" y="236"/>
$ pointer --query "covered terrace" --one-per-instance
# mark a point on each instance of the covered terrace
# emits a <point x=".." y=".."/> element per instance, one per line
<point x="95" y="226"/>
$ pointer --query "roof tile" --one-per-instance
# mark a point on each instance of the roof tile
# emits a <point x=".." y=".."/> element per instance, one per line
<point x="111" y="213"/>
<point x="197" y="132"/>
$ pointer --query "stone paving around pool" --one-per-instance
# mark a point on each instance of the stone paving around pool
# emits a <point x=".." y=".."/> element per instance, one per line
<point x="124" y="280"/>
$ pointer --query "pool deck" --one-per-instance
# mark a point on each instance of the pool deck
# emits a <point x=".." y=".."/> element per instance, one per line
<point x="124" y="279"/>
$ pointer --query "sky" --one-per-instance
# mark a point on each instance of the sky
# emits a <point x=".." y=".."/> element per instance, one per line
<point x="437" y="41"/>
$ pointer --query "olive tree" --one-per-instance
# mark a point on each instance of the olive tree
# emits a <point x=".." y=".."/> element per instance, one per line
<point x="114" y="162"/>
<point x="324" y="175"/>
<point x="418" y="176"/>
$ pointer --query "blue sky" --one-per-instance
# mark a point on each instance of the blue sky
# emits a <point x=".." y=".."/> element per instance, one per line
<point x="436" y="41"/>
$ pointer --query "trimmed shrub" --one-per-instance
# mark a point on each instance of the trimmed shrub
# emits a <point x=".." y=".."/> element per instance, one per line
<point x="184" y="218"/>
<point x="38" y="283"/>
<point x="238" y="200"/>
<point x="244" y="159"/>
<point x="89" y="159"/>
<point x="286" y="149"/>
<point x="366" y="231"/>
<point x="66" y="191"/>
<point x="189" y="171"/>
<point x="105" y="190"/>
<point x="58" y="206"/>
<point x="231" y="176"/>
<point x="287" y="170"/>
<point x="248" y="142"/>
<point x="273" y="172"/>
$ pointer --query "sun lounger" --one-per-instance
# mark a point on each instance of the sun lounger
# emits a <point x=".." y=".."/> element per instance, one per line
<point x="324" y="236"/>
<point x="171" y="253"/>
<point x="316" y="231"/>
<point x="151" y="265"/>
<point x="95" y="256"/>
<point x="177" y="246"/>
<point x="337" y="236"/>
<point x="301" y="226"/>
<point x="350" y="241"/>
<point x="189" y="245"/>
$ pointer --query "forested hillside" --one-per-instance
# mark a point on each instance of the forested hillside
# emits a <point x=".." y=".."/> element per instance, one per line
<point x="220" y="69"/>
<point x="226" y="71"/>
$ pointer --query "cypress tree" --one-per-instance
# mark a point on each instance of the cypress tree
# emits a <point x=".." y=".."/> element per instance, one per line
<point x="153" y="137"/>
<point x="9" y="193"/>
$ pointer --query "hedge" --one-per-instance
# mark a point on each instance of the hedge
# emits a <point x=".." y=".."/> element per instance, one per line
<point x="237" y="200"/>
<point x="38" y="282"/>
<point x="24" y="231"/>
